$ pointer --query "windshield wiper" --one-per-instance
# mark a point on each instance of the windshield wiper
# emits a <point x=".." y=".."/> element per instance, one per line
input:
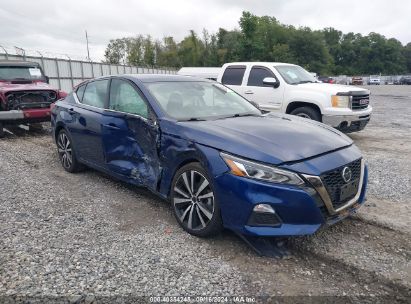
<point x="305" y="81"/>
<point x="242" y="115"/>
<point x="193" y="119"/>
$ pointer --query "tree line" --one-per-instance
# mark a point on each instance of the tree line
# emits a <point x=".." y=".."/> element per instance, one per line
<point x="326" y="52"/>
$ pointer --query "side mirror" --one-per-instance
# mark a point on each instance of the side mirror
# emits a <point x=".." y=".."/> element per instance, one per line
<point x="47" y="79"/>
<point x="271" y="81"/>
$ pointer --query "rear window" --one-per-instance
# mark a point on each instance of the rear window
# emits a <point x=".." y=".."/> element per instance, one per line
<point x="80" y="92"/>
<point x="95" y="93"/>
<point x="233" y="75"/>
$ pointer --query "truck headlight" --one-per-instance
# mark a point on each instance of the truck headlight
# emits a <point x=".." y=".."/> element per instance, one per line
<point x="338" y="101"/>
<point x="250" y="169"/>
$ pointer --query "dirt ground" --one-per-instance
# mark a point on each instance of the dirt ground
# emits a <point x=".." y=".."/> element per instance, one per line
<point x="86" y="235"/>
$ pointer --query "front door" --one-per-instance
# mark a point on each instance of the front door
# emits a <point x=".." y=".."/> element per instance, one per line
<point x="268" y="97"/>
<point x="130" y="135"/>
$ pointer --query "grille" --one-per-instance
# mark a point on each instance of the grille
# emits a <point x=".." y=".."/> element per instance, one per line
<point x="30" y="99"/>
<point x="360" y="102"/>
<point x="333" y="182"/>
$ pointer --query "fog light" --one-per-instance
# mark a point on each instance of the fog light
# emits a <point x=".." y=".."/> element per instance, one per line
<point x="264" y="215"/>
<point x="264" y="208"/>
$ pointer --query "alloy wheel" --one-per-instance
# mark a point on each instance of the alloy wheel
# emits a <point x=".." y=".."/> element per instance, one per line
<point x="193" y="200"/>
<point x="303" y="115"/>
<point x="64" y="150"/>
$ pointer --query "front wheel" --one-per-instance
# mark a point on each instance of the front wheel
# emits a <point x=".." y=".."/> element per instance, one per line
<point x="195" y="206"/>
<point x="307" y="112"/>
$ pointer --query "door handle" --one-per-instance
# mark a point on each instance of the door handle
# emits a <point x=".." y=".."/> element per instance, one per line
<point x="71" y="111"/>
<point x="112" y="126"/>
<point x="248" y="92"/>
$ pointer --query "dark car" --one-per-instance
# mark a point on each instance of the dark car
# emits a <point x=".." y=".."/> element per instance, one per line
<point x="326" y="79"/>
<point x="405" y="80"/>
<point x="25" y="95"/>
<point x="212" y="154"/>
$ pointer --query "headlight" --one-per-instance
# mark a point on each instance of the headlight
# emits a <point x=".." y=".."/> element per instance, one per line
<point x="246" y="168"/>
<point x="338" y="101"/>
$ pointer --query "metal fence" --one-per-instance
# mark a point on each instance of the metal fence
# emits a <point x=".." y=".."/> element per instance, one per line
<point x="66" y="73"/>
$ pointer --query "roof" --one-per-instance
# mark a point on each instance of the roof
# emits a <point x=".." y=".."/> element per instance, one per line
<point x="161" y="77"/>
<point x="262" y="63"/>
<point x="17" y="63"/>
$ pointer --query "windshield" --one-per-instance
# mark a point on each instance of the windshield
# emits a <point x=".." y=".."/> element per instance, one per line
<point x="294" y="74"/>
<point x="199" y="100"/>
<point x="20" y="72"/>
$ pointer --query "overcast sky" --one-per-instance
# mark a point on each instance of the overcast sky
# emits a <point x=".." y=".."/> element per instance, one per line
<point x="58" y="25"/>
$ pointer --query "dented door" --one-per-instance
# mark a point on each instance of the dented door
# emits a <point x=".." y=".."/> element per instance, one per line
<point x="130" y="136"/>
<point x="130" y="145"/>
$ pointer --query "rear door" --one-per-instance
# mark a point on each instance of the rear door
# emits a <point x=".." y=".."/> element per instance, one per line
<point x="130" y="135"/>
<point x="268" y="97"/>
<point x="233" y="78"/>
<point x="85" y="118"/>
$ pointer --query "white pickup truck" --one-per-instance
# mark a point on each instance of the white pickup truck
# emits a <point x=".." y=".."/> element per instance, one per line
<point x="290" y="89"/>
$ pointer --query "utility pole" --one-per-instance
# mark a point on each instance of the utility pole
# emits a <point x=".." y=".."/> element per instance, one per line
<point x="88" y="51"/>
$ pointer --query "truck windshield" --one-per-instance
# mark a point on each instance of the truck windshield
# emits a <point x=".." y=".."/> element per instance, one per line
<point x="294" y="74"/>
<point x="197" y="100"/>
<point x="20" y="72"/>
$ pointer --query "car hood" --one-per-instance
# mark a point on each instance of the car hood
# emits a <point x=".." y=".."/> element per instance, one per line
<point x="271" y="138"/>
<point x="331" y="89"/>
<point x="35" y="86"/>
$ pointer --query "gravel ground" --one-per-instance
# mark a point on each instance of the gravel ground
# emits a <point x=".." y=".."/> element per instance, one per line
<point x="90" y="238"/>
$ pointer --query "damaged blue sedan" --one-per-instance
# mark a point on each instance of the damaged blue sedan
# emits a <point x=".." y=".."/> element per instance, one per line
<point x="218" y="159"/>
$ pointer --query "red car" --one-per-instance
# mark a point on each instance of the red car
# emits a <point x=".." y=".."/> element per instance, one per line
<point x="25" y="95"/>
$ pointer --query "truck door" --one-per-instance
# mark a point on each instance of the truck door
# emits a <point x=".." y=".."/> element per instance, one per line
<point x="233" y="78"/>
<point x="268" y="97"/>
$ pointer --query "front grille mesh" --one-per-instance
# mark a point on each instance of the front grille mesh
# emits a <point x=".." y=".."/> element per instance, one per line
<point x="360" y="102"/>
<point x="333" y="182"/>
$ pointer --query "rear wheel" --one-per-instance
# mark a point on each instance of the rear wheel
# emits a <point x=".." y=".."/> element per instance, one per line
<point x="307" y="112"/>
<point x="1" y="130"/>
<point x="67" y="153"/>
<point x="195" y="206"/>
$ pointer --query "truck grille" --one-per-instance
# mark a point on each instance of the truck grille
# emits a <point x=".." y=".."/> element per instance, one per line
<point x="333" y="182"/>
<point x="30" y="99"/>
<point x="360" y="102"/>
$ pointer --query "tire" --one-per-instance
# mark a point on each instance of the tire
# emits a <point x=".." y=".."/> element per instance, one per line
<point x="66" y="152"/>
<point x="1" y="130"/>
<point x="193" y="201"/>
<point x="307" y="112"/>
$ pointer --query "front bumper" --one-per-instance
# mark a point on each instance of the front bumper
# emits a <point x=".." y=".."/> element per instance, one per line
<point x="348" y="123"/>
<point x="24" y="116"/>
<point x="301" y="209"/>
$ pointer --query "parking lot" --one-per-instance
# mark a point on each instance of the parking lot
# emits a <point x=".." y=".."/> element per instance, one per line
<point x="86" y="234"/>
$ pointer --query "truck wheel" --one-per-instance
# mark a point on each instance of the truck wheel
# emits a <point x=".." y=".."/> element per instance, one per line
<point x="1" y="130"/>
<point x="307" y="112"/>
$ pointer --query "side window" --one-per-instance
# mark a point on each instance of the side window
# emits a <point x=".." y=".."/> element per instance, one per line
<point x="80" y="92"/>
<point x="257" y="74"/>
<point x="233" y="75"/>
<point x="125" y="98"/>
<point x="95" y="93"/>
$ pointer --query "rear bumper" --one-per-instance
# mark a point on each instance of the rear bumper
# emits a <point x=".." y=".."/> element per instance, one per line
<point x="24" y="116"/>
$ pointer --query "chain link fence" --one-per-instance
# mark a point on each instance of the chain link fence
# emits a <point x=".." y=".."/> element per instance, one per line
<point x="65" y="73"/>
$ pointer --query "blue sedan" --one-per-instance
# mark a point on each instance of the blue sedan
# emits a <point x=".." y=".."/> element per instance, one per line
<point x="219" y="161"/>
